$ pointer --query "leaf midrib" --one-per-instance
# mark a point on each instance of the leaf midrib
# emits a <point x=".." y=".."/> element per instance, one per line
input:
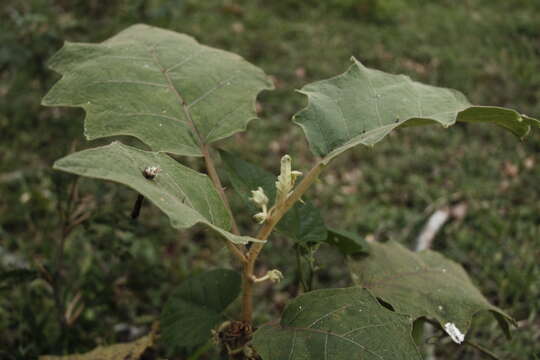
<point x="174" y="90"/>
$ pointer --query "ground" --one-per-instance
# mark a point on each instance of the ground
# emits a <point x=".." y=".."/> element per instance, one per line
<point x="123" y="271"/>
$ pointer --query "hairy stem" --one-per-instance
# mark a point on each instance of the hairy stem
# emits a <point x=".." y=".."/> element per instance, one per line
<point x="264" y="233"/>
<point x="217" y="184"/>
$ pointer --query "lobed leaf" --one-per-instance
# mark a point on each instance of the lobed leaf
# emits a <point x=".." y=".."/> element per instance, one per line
<point x="362" y="106"/>
<point x="337" y="324"/>
<point x="303" y="222"/>
<point x="423" y="284"/>
<point x="164" y="88"/>
<point x="186" y="196"/>
<point x="197" y="306"/>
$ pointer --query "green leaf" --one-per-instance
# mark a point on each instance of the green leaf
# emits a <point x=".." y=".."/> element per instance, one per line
<point x="303" y="222"/>
<point x="363" y="105"/>
<point x="423" y="284"/>
<point x="337" y="324"/>
<point x="347" y="242"/>
<point x="161" y="87"/>
<point x="185" y="195"/>
<point x="197" y="306"/>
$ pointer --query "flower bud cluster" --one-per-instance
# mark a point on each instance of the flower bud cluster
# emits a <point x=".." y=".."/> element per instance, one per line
<point x="284" y="186"/>
<point x="260" y="198"/>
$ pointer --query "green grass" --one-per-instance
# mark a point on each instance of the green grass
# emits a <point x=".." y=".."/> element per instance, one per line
<point x="124" y="271"/>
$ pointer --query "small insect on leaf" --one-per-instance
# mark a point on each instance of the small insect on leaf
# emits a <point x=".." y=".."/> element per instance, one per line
<point x="150" y="172"/>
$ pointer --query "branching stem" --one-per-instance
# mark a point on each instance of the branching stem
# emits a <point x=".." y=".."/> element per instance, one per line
<point x="217" y="184"/>
<point x="248" y="260"/>
<point x="264" y="233"/>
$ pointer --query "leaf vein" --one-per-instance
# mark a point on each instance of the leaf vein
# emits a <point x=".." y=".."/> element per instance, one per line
<point x="136" y="82"/>
<point x="328" y="314"/>
<point x="364" y="327"/>
<point x="328" y="333"/>
<point x="185" y="60"/>
<point x="218" y="86"/>
<point x="175" y="91"/>
<point x="151" y="114"/>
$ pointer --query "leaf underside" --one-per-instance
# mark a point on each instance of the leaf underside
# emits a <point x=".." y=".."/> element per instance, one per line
<point x="184" y="195"/>
<point x="162" y="87"/>
<point x="337" y="324"/>
<point x="196" y="307"/>
<point x="303" y="223"/>
<point x="362" y="106"/>
<point x="170" y="92"/>
<point x="423" y="284"/>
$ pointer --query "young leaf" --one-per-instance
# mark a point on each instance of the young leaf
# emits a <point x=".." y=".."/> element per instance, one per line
<point x="124" y="351"/>
<point x="337" y="324"/>
<point x="186" y="196"/>
<point x="303" y="222"/>
<point x="197" y="306"/>
<point x="363" y="105"/>
<point x="159" y="86"/>
<point x="423" y="284"/>
<point x="347" y="242"/>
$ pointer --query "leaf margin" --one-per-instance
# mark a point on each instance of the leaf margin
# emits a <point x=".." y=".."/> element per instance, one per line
<point x="523" y="124"/>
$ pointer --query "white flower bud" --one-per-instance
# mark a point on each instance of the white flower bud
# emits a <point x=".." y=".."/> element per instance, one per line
<point x="259" y="197"/>
<point x="260" y="217"/>
<point x="275" y="276"/>
<point x="286" y="179"/>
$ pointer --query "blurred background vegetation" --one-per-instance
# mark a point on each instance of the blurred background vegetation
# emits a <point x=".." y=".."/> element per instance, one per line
<point x="114" y="275"/>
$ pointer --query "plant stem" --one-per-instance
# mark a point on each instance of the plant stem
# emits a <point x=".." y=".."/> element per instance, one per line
<point x="482" y="349"/>
<point x="217" y="184"/>
<point x="264" y="233"/>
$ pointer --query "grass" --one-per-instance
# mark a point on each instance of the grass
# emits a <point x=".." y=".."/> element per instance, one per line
<point x="124" y="271"/>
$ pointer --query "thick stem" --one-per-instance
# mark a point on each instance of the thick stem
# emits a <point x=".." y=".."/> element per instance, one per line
<point x="264" y="233"/>
<point x="217" y="184"/>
